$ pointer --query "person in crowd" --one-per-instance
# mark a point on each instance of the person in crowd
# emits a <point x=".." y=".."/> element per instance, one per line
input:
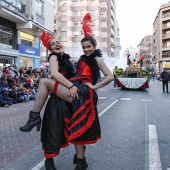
<point x="15" y="80"/>
<point x="22" y="79"/>
<point x="29" y="71"/>
<point x="115" y="75"/>
<point x="6" y="71"/>
<point x="14" y="94"/>
<point x="165" y="78"/>
<point x="12" y="71"/>
<point x="9" y="81"/>
<point x="4" y="101"/>
<point x="153" y="76"/>
<point x="3" y="82"/>
<point x="86" y="79"/>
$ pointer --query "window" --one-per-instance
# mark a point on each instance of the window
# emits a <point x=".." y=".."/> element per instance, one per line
<point x="39" y="7"/>
<point x="76" y="34"/>
<point x="82" y="2"/>
<point x="76" y="23"/>
<point x="27" y="42"/>
<point x="64" y="23"/>
<point x="82" y="12"/>
<point x="6" y="35"/>
<point x="92" y="12"/>
<point x="75" y="13"/>
<point x="63" y="33"/>
<point x="63" y="12"/>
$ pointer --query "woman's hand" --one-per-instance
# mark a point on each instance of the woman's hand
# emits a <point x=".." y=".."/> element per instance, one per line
<point x="73" y="93"/>
<point x="90" y="85"/>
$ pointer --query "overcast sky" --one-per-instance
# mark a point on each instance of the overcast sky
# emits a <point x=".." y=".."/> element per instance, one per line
<point x="135" y="18"/>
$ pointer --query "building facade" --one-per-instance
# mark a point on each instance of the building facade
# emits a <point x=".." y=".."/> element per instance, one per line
<point x="70" y="15"/>
<point x="21" y="24"/>
<point x="161" y="38"/>
<point x="145" y="49"/>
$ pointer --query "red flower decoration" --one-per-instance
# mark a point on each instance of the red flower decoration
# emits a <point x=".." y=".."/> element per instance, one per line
<point x="46" y="38"/>
<point x="87" y="20"/>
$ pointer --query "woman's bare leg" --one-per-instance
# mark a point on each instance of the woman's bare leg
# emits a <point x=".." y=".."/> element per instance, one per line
<point x="44" y="87"/>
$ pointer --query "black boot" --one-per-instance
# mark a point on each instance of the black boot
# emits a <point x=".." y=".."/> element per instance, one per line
<point x="75" y="156"/>
<point x="49" y="164"/>
<point x="81" y="164"/>
<point x="34" y="120"/>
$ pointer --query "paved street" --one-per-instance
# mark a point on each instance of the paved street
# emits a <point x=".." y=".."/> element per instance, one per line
<point x="135" y="134"/>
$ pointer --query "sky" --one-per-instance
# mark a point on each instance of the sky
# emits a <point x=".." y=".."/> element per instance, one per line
<point x="135" y="19"/>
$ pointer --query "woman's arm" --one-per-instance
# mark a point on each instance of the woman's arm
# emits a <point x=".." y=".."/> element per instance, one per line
<point x="108" y="75"/>
<point x="60" y="78"/>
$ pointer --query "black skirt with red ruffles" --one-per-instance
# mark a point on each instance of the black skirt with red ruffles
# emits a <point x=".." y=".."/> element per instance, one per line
<point x="52" y="131"/>
<point x="83" y="126"/>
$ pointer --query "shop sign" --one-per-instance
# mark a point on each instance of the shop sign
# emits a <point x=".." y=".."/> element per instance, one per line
<point x="28" y="50"/>
<point x="9" y="52"/>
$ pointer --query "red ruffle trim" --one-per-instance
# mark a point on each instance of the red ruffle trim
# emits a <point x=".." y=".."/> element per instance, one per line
<point x="90" y="110"/>
<point x="82" y="79"/>
<point x="54" y="154"/>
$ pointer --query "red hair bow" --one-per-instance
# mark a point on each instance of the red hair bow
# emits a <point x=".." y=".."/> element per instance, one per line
<point x="46" y="38"/>
<point x="87" y="20"/>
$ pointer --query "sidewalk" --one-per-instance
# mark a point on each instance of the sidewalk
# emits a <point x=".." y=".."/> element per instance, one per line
<point x="13" y="143"/>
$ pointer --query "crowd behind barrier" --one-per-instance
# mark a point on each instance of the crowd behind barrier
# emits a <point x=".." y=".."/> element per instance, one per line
<point x="18" y="85"/>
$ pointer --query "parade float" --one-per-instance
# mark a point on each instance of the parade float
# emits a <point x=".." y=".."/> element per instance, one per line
<point x="134" y="76"/>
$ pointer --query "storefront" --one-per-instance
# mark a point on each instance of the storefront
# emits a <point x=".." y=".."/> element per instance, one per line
<point x="8" y="56"/>
<point x="28" y="56"/>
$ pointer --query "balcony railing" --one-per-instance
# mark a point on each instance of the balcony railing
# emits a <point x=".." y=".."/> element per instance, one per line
<point x="165" y="35"/>
<point x="14" y="5"/>
<point x="165" y="15"/>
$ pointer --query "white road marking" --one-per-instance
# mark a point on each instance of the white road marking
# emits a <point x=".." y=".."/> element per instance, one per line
<point x="102" y="97"/>
<point x="154" y="155"/>
<point x="108" y="107"/>
<point x="125" y="98"/>
<point x="147" y="100"/>
<point x="41" y="163"/>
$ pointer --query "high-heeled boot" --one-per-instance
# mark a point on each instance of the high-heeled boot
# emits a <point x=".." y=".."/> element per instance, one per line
<point x="75" y="156"/>
<point x="49" y="164"/>
<point x="34" y="120"/>
<point x="81" y="164"/>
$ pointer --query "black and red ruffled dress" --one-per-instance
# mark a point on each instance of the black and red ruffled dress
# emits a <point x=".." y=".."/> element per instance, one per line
<point x="52" y="131"/>
<point x="83" y="126"/>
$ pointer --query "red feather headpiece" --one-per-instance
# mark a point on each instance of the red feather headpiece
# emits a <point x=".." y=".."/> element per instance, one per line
<point x="87" y="20"/>
<point x="46" y="38"/>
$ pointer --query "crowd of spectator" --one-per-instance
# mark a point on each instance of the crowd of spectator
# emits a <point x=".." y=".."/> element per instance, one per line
<point x="18" y="85"/>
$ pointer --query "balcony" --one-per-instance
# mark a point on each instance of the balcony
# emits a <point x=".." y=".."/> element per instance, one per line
<point x="13" y="10"/>
<point x="165" y="36"/>
<point x="166" y="15"/>
<point x="165" y="27"/>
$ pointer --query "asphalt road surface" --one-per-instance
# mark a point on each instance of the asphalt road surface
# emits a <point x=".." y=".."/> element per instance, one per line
<point x="135" y="128"/>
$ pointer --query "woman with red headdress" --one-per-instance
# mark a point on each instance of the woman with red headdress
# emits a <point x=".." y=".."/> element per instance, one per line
<point x="81" y="120"/>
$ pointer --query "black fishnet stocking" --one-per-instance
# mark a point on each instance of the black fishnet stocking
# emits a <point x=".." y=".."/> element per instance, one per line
<point x="45" y="86"/>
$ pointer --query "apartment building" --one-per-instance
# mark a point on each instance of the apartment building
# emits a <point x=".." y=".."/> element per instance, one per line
<point x="145" y="49"/>
<point x="70" y="15"/>
<point x="161" y="38"/>
<point x="21" y="24"/>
